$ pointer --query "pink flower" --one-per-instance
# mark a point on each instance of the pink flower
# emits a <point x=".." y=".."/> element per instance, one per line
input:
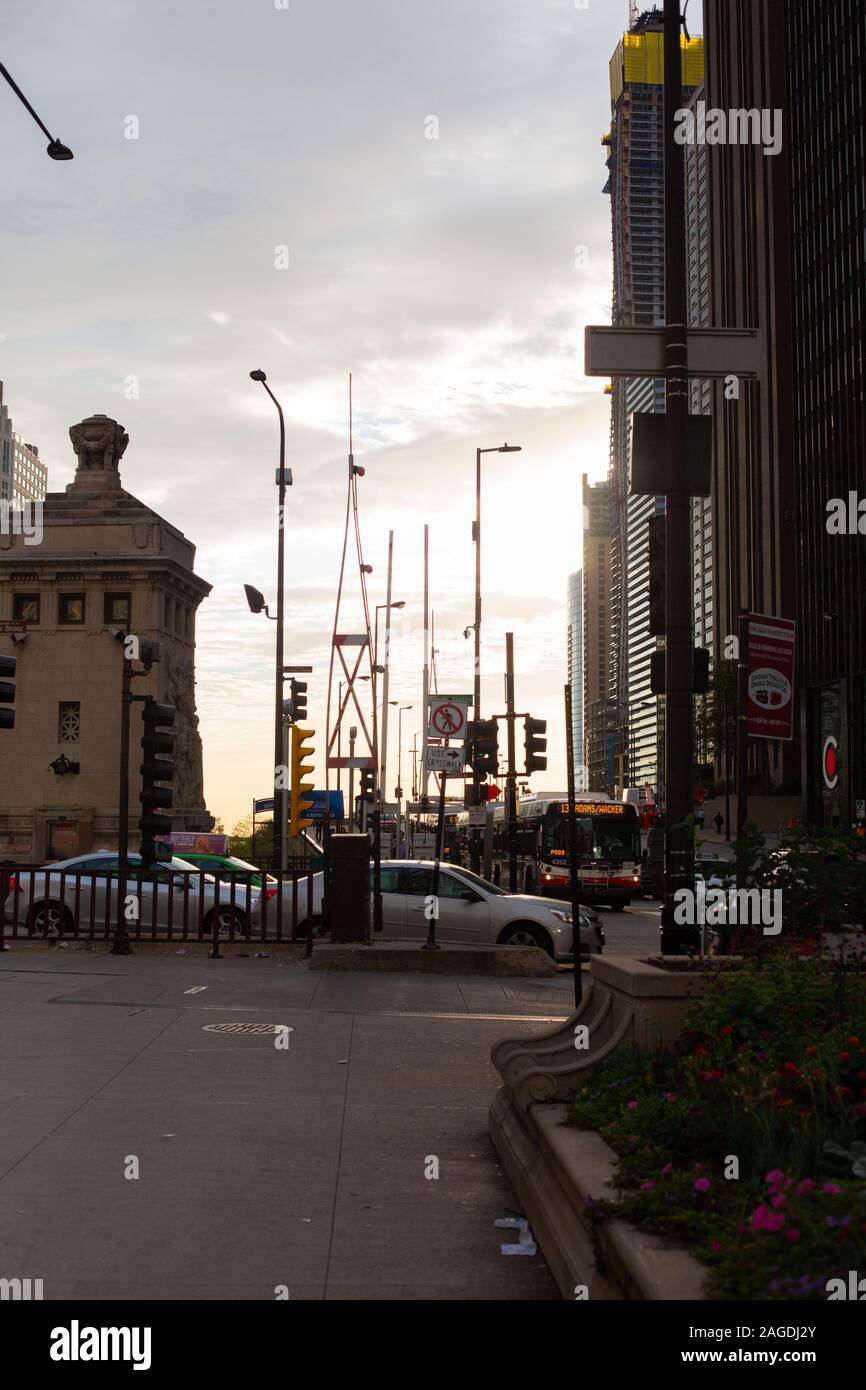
<point x="791" y="1234"/>
<point x="632" y="1105"/>
<point x="775" y="1177"/>
<point x="765" y="1220"/>
<point x="832" y="1189"/>
<point x="647" y="1186"/>
<point x="701" y="1185"/>
<point x="805" y="1186"/>
<point x="669" y="1095"/>
<point x="668" y="1168"/>
<point x="714" y="1245"/>
<point x="778" y="1200"/>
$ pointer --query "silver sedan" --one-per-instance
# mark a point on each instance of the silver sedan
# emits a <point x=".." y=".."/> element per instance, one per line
<point x="471" y="911"/>
<point x="79" y="896"/>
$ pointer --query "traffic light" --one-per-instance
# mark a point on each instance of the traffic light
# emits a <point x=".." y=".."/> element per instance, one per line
<point x="535" y="742"/>
<point x="299" y="802"/>
<point x="657" y="576"/>
<point x="482" y="747"/>
<point x="700" y="672"/>
<point x="7" y="691"/>
<point x="299" y="701"/>
<point x="156" y="768"/>
<point x="368" y="784"/>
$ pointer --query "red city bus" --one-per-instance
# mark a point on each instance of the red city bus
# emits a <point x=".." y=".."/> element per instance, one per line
<point x="608" y="846"/>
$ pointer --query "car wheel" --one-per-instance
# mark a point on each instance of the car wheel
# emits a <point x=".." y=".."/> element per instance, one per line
<point x="232" y="922"/>
<point x="525" y="934"/>
<point x="50" y="920"/>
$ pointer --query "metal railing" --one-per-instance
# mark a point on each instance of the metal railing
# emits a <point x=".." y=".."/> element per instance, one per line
<point x="166" y="905"/>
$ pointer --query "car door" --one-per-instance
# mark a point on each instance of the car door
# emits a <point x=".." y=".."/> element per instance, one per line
<point x="459" y="920"/>
<point x="464" y="913"/>
<point x="393" y="903"/>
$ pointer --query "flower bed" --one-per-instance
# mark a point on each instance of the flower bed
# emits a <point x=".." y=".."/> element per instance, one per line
<point x="740" y="1142"/>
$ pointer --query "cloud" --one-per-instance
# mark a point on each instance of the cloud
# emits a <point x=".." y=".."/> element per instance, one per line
<point x="439" y="271"/>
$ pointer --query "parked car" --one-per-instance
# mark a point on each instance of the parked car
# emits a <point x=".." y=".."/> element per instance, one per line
<point x="228" y="868"/>
<point x="475" y="912"/>
<point x="73" y="896"/>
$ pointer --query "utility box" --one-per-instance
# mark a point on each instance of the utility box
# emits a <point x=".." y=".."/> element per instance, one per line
<point x="348" y="887"/>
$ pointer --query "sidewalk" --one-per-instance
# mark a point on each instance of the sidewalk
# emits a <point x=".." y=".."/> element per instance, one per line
<point x="258" y="1167"/>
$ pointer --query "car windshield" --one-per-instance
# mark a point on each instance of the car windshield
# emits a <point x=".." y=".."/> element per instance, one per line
<point x="477" y="881"/>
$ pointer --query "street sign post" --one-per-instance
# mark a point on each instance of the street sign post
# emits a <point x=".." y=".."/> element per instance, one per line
<point x="448" y="760"/>
<point x="447" y="716"/>
<point x="641" y="352"/>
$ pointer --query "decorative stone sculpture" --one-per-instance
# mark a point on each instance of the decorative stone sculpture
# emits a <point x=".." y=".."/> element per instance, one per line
<point x="99" y="442"/>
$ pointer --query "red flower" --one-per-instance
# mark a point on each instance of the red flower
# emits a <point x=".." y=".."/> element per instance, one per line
<point x="791" y="1068"/>
<point x="726" y="1031"/>
<point x="844" y="1056"/>
<point x="699" y="1050"/>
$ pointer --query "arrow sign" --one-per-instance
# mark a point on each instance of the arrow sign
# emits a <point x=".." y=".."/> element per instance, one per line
<point x="447" y="760"/>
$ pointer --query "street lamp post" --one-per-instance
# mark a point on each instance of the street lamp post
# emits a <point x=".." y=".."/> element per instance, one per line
<point x="55" y="150"/>
<point x="281" y="793"/>
<point x="400" y="713"/>
<point x="476" y="686"/>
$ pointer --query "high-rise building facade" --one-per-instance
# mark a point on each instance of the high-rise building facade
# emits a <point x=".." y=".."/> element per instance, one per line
<point x="753" y="503"/>
<point x="574" y="649"/>
<point x="826" y="62"/>
<point x="29" y="474"/>
<point x="636" y="187"/>
<point x="596" y="572"/>
<point x="23" y="475"/>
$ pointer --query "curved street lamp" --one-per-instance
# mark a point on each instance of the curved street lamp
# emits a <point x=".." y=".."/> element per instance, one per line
<point x="55" y="150"/>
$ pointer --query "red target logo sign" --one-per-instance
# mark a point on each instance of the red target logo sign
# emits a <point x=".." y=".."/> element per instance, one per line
<point x="830" y="762"/>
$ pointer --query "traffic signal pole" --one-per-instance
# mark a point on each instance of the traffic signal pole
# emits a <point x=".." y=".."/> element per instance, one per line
<point x="679" y="636"/>
<point x="511" y="775"/>
<point x="120" y="945"/>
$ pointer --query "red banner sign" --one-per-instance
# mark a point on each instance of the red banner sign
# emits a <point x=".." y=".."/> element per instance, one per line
<point x="770" y="702"/>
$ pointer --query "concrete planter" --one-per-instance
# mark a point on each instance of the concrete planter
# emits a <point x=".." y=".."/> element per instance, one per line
<point x="555" y="1169"/>
<point x="630" y="1001"/>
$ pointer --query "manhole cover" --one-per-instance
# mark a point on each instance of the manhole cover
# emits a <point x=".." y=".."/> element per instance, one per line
<point x="539" y="996"/>
<point x="267" y="1028"/>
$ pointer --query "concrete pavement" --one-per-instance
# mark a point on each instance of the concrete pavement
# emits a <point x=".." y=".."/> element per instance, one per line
<point x="258" y="1167"/>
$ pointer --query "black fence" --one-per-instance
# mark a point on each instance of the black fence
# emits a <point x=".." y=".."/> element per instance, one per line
<point x="165" y="905"/>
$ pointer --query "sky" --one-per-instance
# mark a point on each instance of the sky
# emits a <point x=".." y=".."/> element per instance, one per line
<point x="432" y="175"/>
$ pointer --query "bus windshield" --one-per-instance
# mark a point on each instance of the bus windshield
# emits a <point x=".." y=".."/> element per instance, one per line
<point x="614" y="838"/>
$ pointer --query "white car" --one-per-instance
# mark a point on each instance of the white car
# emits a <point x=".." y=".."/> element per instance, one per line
<point x="473" y="912"/>
<point x="77" y="896"/>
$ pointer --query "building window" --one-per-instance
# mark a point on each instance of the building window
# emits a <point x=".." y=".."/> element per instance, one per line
<point x="69" y="721"/>
<point x="117" y="608"/>
<point x="71" y="608"/>
<point x="26" y="607"/>
<point x="169" y="614"/>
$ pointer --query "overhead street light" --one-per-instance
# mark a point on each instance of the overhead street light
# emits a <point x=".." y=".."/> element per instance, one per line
<point x="55" y="149"/>
<point x="476" y="696"/>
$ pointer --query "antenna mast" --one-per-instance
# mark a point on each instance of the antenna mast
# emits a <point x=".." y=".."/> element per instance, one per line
<point x="343" y="643"/>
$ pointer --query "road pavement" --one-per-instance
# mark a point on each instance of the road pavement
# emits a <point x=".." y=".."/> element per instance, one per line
<point x="144" y="1155"/>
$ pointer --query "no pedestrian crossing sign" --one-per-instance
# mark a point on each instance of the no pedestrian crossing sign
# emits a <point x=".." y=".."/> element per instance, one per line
<point x="448" y="716"/>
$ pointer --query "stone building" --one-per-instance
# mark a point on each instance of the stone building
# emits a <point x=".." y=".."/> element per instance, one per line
<point x="106" y="564"/>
